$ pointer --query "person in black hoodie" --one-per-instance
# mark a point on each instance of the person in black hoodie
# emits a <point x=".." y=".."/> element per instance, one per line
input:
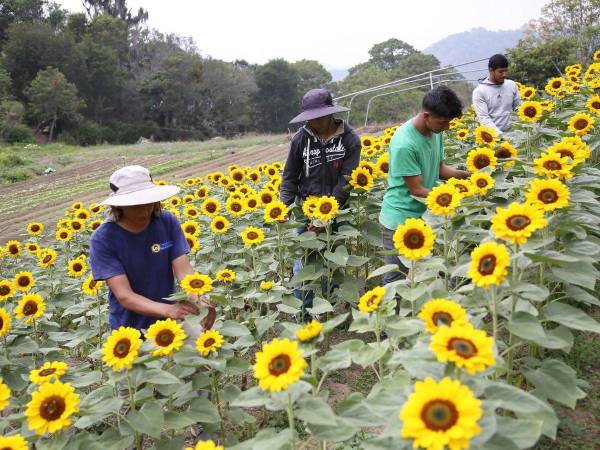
<point x="322" y="153"/>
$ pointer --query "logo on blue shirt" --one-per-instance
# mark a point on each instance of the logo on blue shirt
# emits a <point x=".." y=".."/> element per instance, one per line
<point x="158" y="247"/>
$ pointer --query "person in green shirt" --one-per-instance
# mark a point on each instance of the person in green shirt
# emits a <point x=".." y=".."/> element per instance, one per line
<point x="416" y="163"/>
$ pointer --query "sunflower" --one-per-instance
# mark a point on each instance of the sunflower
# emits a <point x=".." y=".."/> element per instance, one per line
<point x="13" y="248"/>
<point x="368" y="166"/>
<point x="226" y="275"/>
<point x="275" y="212"/>
<point x="462" y="134"/>
<point x="266" y="285"/>
<point x="32" y="248"/>
<point x="465" y="187"/>
<point x="121" y="348"/>
<point x="593" y="104"/>
<point x="583" y="149"/>
<point x="278" y="365"/>
<point x="414" y="239"/>
<point x="505" y="151"/>
<point x="254" y="176"/>
<point x="191" y="227"/>
<point x="530" y="111"/>
<point x="310" y="331"/>
<point x="191" y="212"/>
<point x="468" y="348"/>
<point x="192" y="241"/>
<point x="455" y="123"/>
<point x="206" y="445"/>
<point x="210" y="207"/>
<point x="370" y="300"/>
<point x="528" y="92"/>
<point x="482" y="182"/>
<point x="555" y="86"/>
<point x="77" y="267"/>
<point x="440" y="311"/>
<point x="167" y="335"/>
<point x="7" y="290"/>
<point x="443" y="200"/>
<point x="252" y="236"/>
<point x="552" y="165"/>
<point x="91" y="286"/>
<point x="24" y="281"/>
<point x="63" y="234"/>
<point x="51" y="407"/>
<point x="596" y="55"/>
<point x="196" y="283"/>
<point x="366" y="141"/>
<point x="383" y="165"/>
<point x="94" y="224"/>
<point x="485" y="136"/>
<point x="219" y="225"/>
<point x="50" y="371"/>
<point x="82" y="214"/>
<point x="14" y="442"/>
<point x="489" y="262"/>
<point x="5" y="322"/>
<point x="187" y="199"/>
<point x="235" y="207"/>
<point x="326" y="208"/>
<point x="309" y="205"/>
<point x="35" y="228"/>
<point x="77" y="225"/>
<point x="548" y="194"/>
<point x="547" y="105"/>
<point x="202" y="192"/>
<point x="208" y="342"/>
<point x="4" y="394"/>
<point x="238" y="176"/>
<point x="480" y="158"/>
<point x="517" y="222"/>
<point x="30" y="307"/>
<point x="266" y="197"/>
<point x="581" y="124"/>
<point x="361" y="178"/>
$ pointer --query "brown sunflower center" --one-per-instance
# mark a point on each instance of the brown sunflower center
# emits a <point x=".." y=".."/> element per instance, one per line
<point x="384" y="167"/>
<point x="502" y="153"/>
<point x="92" y="284"/>
<point x="271" y="172"/>
<point x="414" y="239"/>
<point x="444" y="199"/>
<point x="275" y="212"/>
<point x="219" y="225"/>
<point x="121" y="349"/>
<point x="325" y="208"/>
<point x="486" y="137"/>
<point x="252" y="203"/>
<point x="47" y="259"/>
<point x="52" y="408"/>
<point x="463" y="347"/>
<point x="4" y="290"/>
<point x="441" y="318"/>
<point x="191" y="229"/>
<point x="252" y="235"/>
<point x="580" y="124"/>
<point x="82" y="215"/>
<point x="1" y="323"/>
<point x="192" y="212"/>
<point x="362" y="179"/>
<point x="266" y="198"/>
<point x="461" y="187"/>
<point x="487" y="264"/>
<point x="209" y="342"/>
<point x="548" y="196"/>
<point x="238" y="176"/>
<point x="439" y="415"/>
<point x="64" y="235"/>
<point x="371" y="300"/>
<point x="197" y="283"/>
<point x="280" y="365"/>
<point x="564" y="153"/>
<point x="35" y="228"/>
<point x="211" y="207"/>
<point x="480" y="161"/>
<point x="552" y="165"/>
<point x="367" y="142"/>
<point x="13" y="249"/>
<point x="595" y="105"/>
<point x="77" y="267"/>
<point x="30" y="308"/>
<point x="530" y="111"/>
<point x="164" y="338"/>
<point x="95" y="226"/>
<point x="556" y="84"/>
<point x="190" y="242"/>
<point x="47" y="372"/>
<point x="23" y="281"/>
<point x="518" y="222"/>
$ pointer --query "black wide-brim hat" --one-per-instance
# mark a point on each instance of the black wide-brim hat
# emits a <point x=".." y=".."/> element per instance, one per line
<point x="317" y="103"/>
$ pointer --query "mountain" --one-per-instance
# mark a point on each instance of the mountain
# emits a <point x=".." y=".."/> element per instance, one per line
<point x="471" y="45"/>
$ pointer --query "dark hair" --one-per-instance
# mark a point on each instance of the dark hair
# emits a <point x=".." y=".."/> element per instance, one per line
<point x="497" y="61"/>
<point x="442" y="102"/>
<point x="115" y="212"/>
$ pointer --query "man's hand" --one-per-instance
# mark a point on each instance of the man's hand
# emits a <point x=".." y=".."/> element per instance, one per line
<point x="178" y="311"/>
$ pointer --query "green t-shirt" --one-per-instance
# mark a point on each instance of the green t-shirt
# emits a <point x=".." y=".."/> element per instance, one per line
<point x="411" y="154"/>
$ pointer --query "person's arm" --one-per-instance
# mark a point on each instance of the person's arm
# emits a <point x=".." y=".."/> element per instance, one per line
<point x="516" y="98"/>
<point x="482" y="111"/>
<point x="120" y="287"/>
<point x="415" y="186"/>
<point x="351" y="160"/>
<point x="291" y="172"/>
<point x="447" y="172"/>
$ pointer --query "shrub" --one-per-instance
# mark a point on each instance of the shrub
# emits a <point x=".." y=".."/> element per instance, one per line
<point x="16" y="133"/>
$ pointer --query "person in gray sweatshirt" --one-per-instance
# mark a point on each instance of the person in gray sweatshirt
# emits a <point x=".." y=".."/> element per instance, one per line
<point x="496" y="97"/>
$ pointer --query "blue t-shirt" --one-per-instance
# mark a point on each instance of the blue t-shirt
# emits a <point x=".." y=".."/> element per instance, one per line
<point x="145" y="257"/>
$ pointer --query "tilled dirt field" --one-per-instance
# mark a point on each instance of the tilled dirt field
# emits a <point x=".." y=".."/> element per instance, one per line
<point x="44" y="199"/>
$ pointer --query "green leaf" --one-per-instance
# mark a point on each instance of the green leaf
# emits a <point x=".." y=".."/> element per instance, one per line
<point x="334" y="359"/>
<point x="528" y="327"/>
<point x="236" y="366"/>
<point x="339" y="257"/>
<point x="232" y="328"/>
<point x="357" y="261"/>
<point x="251" y="398"/>
<point x="203" y="411"/>
<point x="369" y="354"/>
<point x="581" y="295"/>
<point x="581" y="273"/>
<point x="314" y="410"/>
<point x="176" y="421"/>
<point x="85" y="380"/>
<point x="331" y="324"/>
<point x="570" y="316"/>
<point x="309" y="272"/>
<point x="157" y="376"/>
<point x="383" y="270"/>
<point x="524" y="433"/>
<point x="403" y="327"/>
<point x="341" y="431"/>
<point x="556" y="381"/>
<point x="530" y="291"/>
<point x="148" y="420"/>
<point x="320" y="306"/>
<point x="169" y="443"/>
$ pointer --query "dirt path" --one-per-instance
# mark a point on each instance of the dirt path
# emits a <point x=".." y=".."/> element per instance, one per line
<point x="48" y="210"/>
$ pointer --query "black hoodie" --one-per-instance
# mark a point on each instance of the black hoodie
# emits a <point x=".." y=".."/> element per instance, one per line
<point x="316" y="167"/>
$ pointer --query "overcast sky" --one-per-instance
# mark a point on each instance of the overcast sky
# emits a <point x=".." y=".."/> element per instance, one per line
<point x="335" y="33"/>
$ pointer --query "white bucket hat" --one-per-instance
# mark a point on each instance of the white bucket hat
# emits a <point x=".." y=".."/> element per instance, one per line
<point x="133" y="185"/>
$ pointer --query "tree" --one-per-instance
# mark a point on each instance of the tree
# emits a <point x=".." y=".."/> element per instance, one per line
<point x="311" y="75"/>
<point x="277" y="97"/>
<point x="115" y="8"/>
<point x="52" y="98"/>
<point x="16" y="11"/>
<point x="389" y="54"/>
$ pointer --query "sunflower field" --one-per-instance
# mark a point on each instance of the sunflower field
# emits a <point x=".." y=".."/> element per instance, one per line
<point x="467" y="351"/>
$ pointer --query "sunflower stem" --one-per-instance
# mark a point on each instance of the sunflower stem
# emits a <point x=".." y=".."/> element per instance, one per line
<point x="313" y="373"/>
<point x="378" y="337"/>
<point x="290" y="413"/>
<point x="215" y="390"/>
<point x="6" y="353"/>
<point x="493" y="305"/>
<point x="413" y="302"/>
<point x="511" y="340"/>
<point x="446" y="277"/>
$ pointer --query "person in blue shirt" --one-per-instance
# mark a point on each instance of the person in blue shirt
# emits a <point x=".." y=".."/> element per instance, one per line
<point x="140" y="251"/>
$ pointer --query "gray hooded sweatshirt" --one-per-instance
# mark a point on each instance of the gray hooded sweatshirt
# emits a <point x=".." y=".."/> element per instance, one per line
<point x="494" y="103"/>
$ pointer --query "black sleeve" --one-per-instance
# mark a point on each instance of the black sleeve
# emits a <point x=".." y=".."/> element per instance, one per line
<point x="292" y="171"/>
<point x="351" y="160"/>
